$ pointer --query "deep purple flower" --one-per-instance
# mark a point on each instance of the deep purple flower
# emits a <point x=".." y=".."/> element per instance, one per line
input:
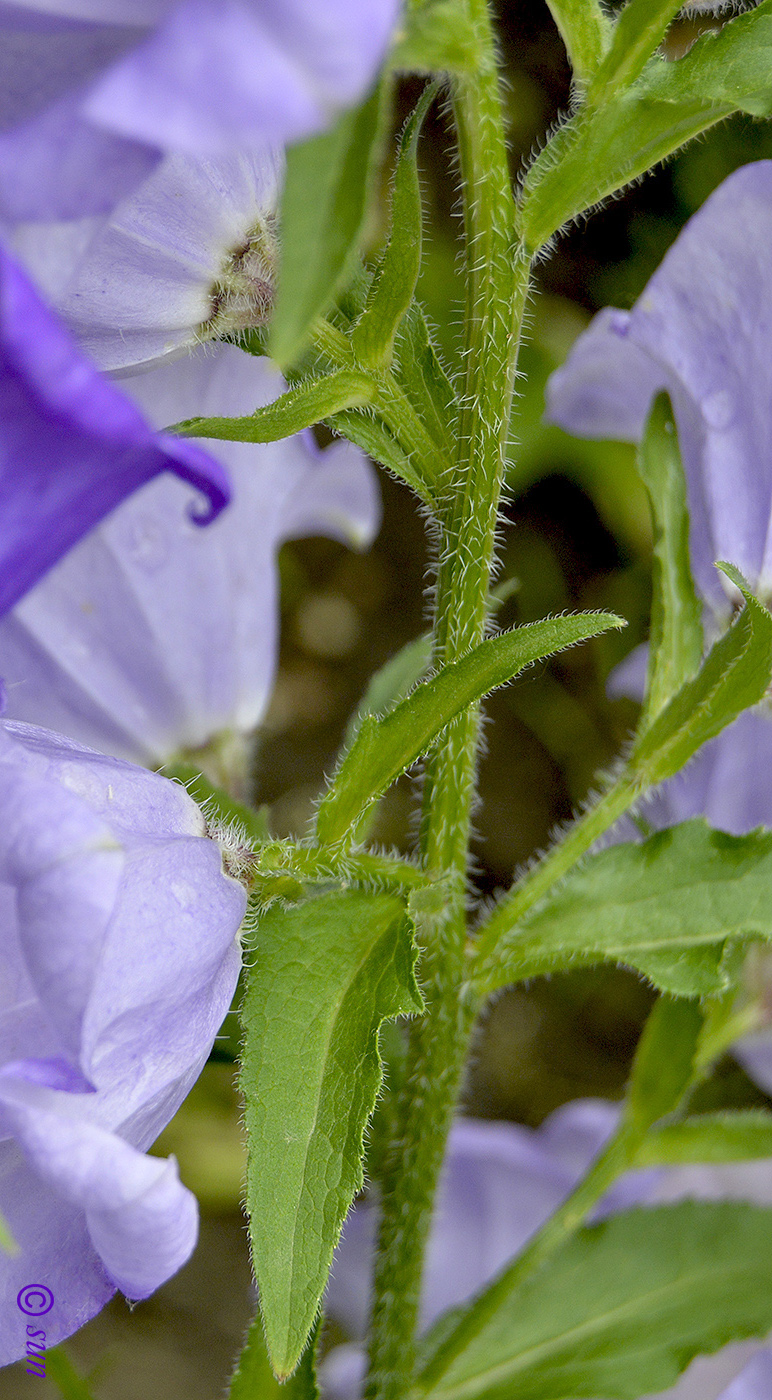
<point x="95" y="91"/>
<point x="152" y="636"/>
<point x="701" y="330"/>
<point x="189" y="256"/>
<point x="500" y="1183"/>
<point x="71" y="445"/>
<point x="118" y="960"/>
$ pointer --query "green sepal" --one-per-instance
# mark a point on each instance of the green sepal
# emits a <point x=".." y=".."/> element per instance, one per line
<point x="585" y="31"/>
<point x="378" y="442"/>
<point x="386" y="747"/>
<point x="426" y="381"/>
<point x="437" y="36"/>
<point x="679" y="907"/>
<point x="216" y="803"/>
<point x="394" y="280"/>
<point x="676" y="638"/>
<point x="621" y="1310"/>
<point x="306" y="403"/>
<point x="321" y="977"/>
<point x="328" y="188"/>
<point x="735" y="675"/>
<point x="600" y="151"/>
<point x="638" y="31"/>
<point x="731" y="66"/>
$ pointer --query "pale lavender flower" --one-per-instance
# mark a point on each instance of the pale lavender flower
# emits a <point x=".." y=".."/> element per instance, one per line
<point x="153" y="636"/>
<point x="118" y="961"/>
<point x="95" y="91"/>
<point x="500" y="1183"/>
<point x="700" y="330"/>
<point x="71" y="445"/>
<point x="189" y="256"/>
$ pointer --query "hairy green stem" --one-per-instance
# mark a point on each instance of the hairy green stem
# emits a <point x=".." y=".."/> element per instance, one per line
<point x="497" y="282"/>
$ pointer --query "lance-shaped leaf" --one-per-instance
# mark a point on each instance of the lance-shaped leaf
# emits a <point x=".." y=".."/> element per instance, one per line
<point x="621" y="1311"/>
<point x="396" y="275"/>
<point x="735" y="675"/>
<point x="710" y="1137"/>
<point x="676" y="641"/>
<point x="679" y="908"/>
<point x="585" y="31"/>
<point x="386" y="747"/>
<point x="327" y="192"/>
<point x="306" y="403"/>
<point x="665" y="1064"/>
<point x="600" y="150"/>
<point x="637" y="33"/>
<point x="321" y="978"/>
<point x="732" y="65"/>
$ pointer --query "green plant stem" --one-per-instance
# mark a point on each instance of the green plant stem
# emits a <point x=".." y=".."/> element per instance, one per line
<point x="618" y="1155"/>
<point x="496" y="941"/>
<point x="497" y="283"/>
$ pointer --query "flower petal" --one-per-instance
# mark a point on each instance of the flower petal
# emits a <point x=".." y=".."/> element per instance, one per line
<point x="142" y="1221"/>
<point x="73" y="445"/>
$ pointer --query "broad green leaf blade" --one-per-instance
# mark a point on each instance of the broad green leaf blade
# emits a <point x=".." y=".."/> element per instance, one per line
<point x="254" y="1379"/>
<point x="622" y="1310"/>
<point x="321" y="978"/>
<point x="437" y="36"/>
<point x="601" y="150"/>
<point x="735" y="675"/>
<point x="395" y="278"/>
<point x="305" y="404"/>
<point x="327" y="192"/>
<point x="676" y="639"/>
<point x="664" y="1065"/>
<point x="730" y="66"/>
<point x="711" y="1137"/>
<point x="678" y="908"/>
<point x="585" y="31"/>
<point x="387" y="747"/>
<point x="638" y="31"/>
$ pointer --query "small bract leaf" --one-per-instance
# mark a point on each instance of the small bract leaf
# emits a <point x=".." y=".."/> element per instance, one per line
<point x="387" y="747"/>
<point x="305" y="404"/>
<point x="321" y="978"/>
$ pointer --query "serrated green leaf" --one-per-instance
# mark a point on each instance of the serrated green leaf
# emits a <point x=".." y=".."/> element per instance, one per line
<point x="327" y="192"/>
<point x="735" y="675"/>
<point x="585" y="31"/>
<point x="676" y="640"/>
<point x="437" y="36"/>
<point x="621" y="1310"/>
<point x="386" y="747"/>
<point x="303" y="405"/>
<point x="254" y="1379"/>
<point x="679" y="908"/>
<point x="732" y="65"/>
<point x="637" y="33"/>
<point x="711" y="1137"/>
<point x="394" y="280"/>
<point x="321" y="978"/>
<point x="601" y="150"/>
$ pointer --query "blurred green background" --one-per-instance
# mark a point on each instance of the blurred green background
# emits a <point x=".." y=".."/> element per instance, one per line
<point x="575" y="534"/>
